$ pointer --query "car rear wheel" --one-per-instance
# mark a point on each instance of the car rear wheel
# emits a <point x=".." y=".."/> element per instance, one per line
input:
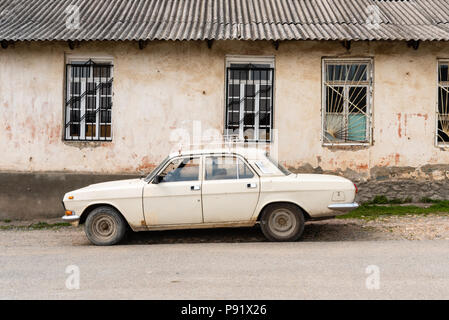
<point x="282" y="222"/>
<point x="105" y="226"/>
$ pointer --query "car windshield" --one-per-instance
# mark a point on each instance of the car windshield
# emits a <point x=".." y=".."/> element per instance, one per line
<point x="153" y="173"/>
<point x="278" y="165"/>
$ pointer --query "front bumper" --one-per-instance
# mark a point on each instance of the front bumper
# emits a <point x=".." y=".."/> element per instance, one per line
<point x="71" y="218"/>
<point x="74" y="220"/>
<point x="343" y="207"/>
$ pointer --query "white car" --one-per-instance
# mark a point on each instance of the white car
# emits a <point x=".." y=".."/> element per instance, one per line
<point x="210" y="189"/>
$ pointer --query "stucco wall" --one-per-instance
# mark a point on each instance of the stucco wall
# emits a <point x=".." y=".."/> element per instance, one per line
<point x="168" y="85"/>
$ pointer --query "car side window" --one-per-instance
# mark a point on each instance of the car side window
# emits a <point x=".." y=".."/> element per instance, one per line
<point x="244" y="171"/>
<point x="181" y="169"/>
<point x="226" y="167"/>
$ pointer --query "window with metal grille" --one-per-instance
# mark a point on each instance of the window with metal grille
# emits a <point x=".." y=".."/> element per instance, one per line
<point x="347" y="92"/>
<point x="443" y="103"/>
<point x="88" y="101"/>
<point x="249" y="101"/>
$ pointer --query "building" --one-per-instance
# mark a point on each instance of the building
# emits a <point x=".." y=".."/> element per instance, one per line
<point x="92" y="90"/>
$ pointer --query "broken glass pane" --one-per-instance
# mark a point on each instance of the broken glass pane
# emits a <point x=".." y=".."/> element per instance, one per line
<point x="334" y="127"/>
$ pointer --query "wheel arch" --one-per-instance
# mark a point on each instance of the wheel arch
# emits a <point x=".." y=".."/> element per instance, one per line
<point x="306" y="214"/>
<point x="93" y="206"/>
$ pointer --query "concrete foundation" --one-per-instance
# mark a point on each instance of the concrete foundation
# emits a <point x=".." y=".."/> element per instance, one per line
<point x="25" y="196"/>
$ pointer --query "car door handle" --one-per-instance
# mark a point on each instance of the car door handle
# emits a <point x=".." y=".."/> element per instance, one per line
<point x="195" y="188"/>
<point x="251" y="185"/>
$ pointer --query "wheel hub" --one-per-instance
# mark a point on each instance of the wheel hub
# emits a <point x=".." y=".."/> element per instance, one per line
<point x="103" y="226"/>
<point x="282" y="222"/>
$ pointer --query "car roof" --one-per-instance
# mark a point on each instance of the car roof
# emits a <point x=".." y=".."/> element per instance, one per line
<point x="248" y="153"/>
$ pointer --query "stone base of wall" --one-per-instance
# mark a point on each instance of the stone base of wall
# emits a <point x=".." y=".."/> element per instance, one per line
<point x="26" y="196"/>
<point x="403" y="189"/>
<point x="427" y="181"/>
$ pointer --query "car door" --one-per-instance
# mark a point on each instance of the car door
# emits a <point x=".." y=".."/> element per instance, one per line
<point x="230" y="189"/>
<point x="176" y="198"/>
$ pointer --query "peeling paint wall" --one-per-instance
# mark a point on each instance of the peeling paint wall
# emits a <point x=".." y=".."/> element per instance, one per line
<point x="168" y="85"/>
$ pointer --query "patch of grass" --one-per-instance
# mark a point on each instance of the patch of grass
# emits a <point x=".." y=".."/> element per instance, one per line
<point x="37" y="226"/>
<point x="371" y="212"/>
<point x="45" y="225"/>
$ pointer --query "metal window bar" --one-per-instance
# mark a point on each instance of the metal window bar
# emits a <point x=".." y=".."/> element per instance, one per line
<point x="88" y="101"/>
<point x="443" y="103"/>
<point x="249" y="103"/>
<point x="347" y="92"/>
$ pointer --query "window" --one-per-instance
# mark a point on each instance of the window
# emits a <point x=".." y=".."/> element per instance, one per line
<point x="347" y="92"/>
<point x="443" y="103"/>
<point x="88" y="101"/>
<point x="181" y="169"/>
<point x="249" y="99"/>
<point x="224" y="168"/>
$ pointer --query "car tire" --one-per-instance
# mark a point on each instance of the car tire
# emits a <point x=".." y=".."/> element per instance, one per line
<point x="105" y="226"/>
<point x="282" y="222"/>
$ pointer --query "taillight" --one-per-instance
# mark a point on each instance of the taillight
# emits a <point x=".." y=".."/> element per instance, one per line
<point x="356" y="189"/>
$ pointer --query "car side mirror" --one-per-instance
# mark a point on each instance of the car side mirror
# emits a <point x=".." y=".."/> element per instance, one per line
<point x="157" y="179"/>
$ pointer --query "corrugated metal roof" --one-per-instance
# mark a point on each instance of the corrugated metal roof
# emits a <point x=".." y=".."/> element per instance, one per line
<point x="226" y="19"/>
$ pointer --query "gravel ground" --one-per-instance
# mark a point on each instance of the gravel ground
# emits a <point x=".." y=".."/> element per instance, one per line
<point x="411" y="227"/>
<point x="332" y="262"/>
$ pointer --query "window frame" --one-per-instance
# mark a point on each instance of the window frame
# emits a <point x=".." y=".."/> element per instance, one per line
<point x="248" y="59"/>
<point x="370" y="100"/>
<point x="101" y="60"/>
<point x="231" y="155"/>
<point x="202" y="169"/>
<point x="437" y="110"/>
<point x="167" y="163"/>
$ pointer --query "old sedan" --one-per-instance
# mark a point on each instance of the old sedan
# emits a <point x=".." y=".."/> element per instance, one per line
<point x="210" y="189"/>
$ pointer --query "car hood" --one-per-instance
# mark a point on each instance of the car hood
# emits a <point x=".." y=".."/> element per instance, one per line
<point x="116" y="184"/>
<point x="129" y="188"/>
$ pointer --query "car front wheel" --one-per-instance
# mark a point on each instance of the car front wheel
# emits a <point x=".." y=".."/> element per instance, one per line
<point x="105" y="226"/>
<point x="282" y="222"/>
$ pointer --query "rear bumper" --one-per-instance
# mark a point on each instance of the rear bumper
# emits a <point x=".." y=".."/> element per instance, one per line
<point x="343" y="207"/>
